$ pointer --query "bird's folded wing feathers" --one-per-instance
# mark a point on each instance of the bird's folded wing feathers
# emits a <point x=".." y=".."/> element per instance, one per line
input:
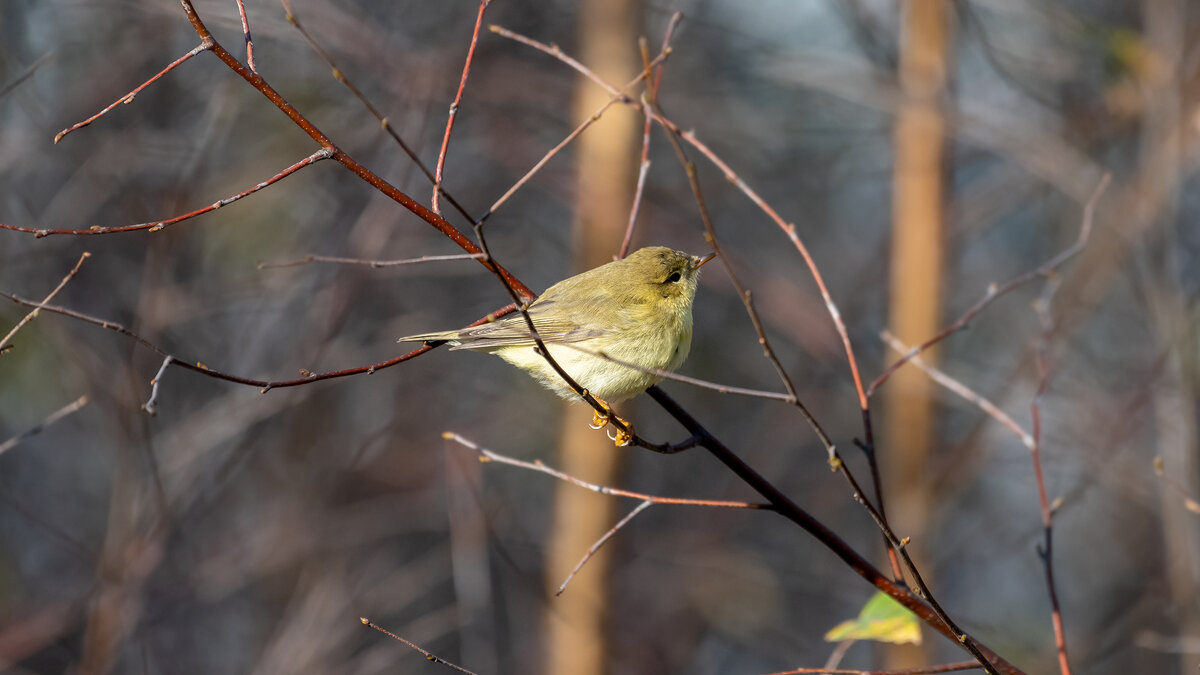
<point x="512" y="331"/>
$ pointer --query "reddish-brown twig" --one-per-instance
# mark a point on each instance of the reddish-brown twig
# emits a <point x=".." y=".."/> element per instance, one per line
<point x="205" y="44"/>
<point x="4" y="346"/>
<point x="241" y="5"/>
<point x="311" y="258"/>
<point x="157" y="225"/>
<point x="921" y="670"/>
<point x="462" y="85"/>
<point x="41" y="426"/>
<point x="1046" y="550"/>
<point x="429" y="656"/>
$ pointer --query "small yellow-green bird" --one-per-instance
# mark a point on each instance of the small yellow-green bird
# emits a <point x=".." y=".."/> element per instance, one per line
<point x="637" y="310"/>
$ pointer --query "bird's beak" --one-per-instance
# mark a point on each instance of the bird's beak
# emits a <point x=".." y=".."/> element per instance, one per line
<point x="701" y="261"/>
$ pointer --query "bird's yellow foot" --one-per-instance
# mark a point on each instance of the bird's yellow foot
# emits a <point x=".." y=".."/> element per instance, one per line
<point x="621" y="437"/>
<point x="601" y="419"/>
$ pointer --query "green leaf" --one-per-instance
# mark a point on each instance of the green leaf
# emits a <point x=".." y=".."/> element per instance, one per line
<point x="882" y="619"/>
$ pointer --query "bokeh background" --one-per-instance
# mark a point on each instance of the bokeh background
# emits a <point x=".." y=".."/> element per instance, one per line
<point x="924" y="150"/>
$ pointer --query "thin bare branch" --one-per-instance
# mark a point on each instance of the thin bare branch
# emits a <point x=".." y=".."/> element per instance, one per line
<point x="643" y="172"/>
<point x="11" y="85"/>
<point x="619" y="97"/>
<point x="537" y="465"/>
<point x="264" y="385"/>
<point x="4" y="346"/>
<point x="150" y="406"/>
<point x="650" y="95"/>
<point x="205" y="45"/>
<point x="158" y="225"/>
<point x="241" y="5"/>
<point x="921" y="670"/>
<point x="429" y="656"/>
<point x="704" y="384"/>
<point x="1046" y="550"/>
<point x="961" y="389"/>
<point x="995" y="292"/>
<point x="556" y="52"/>
<point x="462" y="85"/>
<point x="312" y="258"/>
<point x="647" y="500"/>
<point x="41" y="426"/>
<point x="600" y="542"/>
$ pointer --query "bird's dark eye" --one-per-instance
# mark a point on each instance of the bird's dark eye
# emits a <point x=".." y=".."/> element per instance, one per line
<point x="675" y="276"/>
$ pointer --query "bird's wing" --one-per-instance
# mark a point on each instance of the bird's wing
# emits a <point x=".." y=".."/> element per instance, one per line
<point x="513" y="331"/>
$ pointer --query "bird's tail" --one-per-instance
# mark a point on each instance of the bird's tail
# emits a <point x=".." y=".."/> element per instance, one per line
<point x="450" y="336"/>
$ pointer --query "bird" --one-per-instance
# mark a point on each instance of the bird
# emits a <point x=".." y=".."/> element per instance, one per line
<point x="636" y="311"/>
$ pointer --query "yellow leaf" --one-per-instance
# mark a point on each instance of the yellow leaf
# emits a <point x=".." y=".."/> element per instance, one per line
<point x="882" y="619"/>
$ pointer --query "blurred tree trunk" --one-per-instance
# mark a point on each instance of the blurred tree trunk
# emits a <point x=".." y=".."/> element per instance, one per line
<point x="1175" y="397"/>
<point x="607" y="171"/>
<point x="915" y="303"/>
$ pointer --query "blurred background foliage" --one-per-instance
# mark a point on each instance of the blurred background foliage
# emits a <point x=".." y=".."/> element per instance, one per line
<point x="245" y="532"/>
